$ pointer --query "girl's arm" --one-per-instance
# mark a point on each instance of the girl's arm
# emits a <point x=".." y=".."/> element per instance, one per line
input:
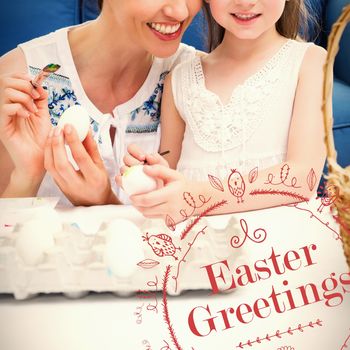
<point x="172" y="126"/>
<point x="305" y="155"/>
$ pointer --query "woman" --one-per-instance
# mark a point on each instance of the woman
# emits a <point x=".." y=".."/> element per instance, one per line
<point x="115" y="67"/>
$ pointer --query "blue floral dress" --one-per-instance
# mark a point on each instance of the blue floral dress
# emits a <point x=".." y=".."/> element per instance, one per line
<point x="136" y="121"/>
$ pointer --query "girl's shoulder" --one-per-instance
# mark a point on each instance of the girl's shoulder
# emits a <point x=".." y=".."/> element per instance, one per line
<point x="314" y="54"/>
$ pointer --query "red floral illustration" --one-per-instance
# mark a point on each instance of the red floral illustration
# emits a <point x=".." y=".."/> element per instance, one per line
<point x="169" y="221"/>
<point x="253" y="175"/>
<point x="279" y="334"/>
<point x="162" y="245"/>
<point x="236" y="185"/>
<point x="280" y="193"/>
<point x="148" y="263"/>
<point x="191" y="225"/>
<point x="216" y="183"/>
<point x="329" y="197"/>
<point x="311" y="179"/>
<point x="166" y="315"/>
<point x="312" y="215"/>
<point x="284" y="173"/>
<point x="258" y="236"/>
<point x="346" y="345"/>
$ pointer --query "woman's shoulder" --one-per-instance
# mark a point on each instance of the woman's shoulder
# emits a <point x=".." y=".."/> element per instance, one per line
<point x="183" y="54"/>
<point x="12" y="62"/>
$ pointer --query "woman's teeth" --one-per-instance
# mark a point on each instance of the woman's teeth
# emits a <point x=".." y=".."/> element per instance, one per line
<point x="165" y="29"/>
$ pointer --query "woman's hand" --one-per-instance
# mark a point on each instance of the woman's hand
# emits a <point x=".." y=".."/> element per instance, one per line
<point x="90" y="184"/>
<point x="164" y="201"/>
<point x="24" y="125"/>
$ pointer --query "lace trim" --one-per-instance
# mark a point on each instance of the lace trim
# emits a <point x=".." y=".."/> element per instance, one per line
<point x="217" y="127"/>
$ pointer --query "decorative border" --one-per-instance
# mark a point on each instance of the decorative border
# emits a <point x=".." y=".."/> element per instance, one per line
<point x="279" y="334"/>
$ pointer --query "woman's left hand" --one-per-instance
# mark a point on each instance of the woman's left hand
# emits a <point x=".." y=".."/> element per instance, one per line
<point x="167" y="200"/>
<point x="90" y="185"/>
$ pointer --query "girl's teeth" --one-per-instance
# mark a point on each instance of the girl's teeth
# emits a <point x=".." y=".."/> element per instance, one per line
<point x="244" y="16"/>
<point x="165" y="29"/>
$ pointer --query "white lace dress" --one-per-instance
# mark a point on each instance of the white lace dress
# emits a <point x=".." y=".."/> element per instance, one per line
<point x="250" y="130"/>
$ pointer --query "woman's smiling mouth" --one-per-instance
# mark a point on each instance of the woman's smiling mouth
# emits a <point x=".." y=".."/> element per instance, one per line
<point x="165" y="31"/>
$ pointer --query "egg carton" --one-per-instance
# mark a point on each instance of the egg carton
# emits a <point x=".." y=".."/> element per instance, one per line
<point x="104" y="249"/>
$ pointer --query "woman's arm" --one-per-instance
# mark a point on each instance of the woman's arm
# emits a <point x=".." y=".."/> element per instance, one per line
<point x="305" y="154"/>
<point x="23" y="128"/>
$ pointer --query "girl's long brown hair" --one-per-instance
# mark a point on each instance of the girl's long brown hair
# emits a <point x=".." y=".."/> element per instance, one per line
<point x="100" y="3"/>
<point x="293" y="23"/>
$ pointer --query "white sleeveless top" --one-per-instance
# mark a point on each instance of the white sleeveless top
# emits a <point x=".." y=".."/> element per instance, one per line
<point x="136" y="121"/>
<point x="250" y="130"/>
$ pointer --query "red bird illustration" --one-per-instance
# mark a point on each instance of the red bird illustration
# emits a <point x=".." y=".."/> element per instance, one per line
<point x="329" y="197"/>
<point x="236" y="185"/>
<point x="162" y="245"/>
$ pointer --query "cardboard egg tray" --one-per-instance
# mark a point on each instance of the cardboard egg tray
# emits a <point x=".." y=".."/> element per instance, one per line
<point x="76" y="261"/>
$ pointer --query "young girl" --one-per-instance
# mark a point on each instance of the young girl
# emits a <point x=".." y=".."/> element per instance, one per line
<point x="248" y="114"/>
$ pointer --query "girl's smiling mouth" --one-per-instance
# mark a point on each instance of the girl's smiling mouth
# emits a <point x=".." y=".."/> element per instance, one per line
<point x="245" y="18"/>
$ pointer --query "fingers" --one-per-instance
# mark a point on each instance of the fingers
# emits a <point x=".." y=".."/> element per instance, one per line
<point x="49" y="163"/>
<point x="20" y="82"/>
<point x="92" y="149"/>
<point x="17" y="97"/>
<point x="79" y="153"/>
<point x="162" y="173"/>
<point x="129" y="160"/>
<point x="136" y="152"/>
<point x="156" y="158"/>
<point x="15" y="109"/>
<point x="154" y="198"/>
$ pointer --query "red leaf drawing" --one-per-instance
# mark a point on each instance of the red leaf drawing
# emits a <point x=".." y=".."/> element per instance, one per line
<point x="148" y="263"/>
<point x="311" y="179"/>
<point x="189" y="199"/>
<point x="284" y="173"/>
<point x="170" y="223"/>
<point x="253" y="175"/>
<point x="216" y="183"/>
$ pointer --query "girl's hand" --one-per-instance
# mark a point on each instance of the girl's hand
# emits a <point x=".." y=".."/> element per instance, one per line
<point x="24" y="124"/>
<point x="90" y="184"/>
<point x="136" y="156"/>
<point x="166" y="200"/>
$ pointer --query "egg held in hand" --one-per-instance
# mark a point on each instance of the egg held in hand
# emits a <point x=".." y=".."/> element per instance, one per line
<point x="78" y="117"/>
<point x="135" y="181"/>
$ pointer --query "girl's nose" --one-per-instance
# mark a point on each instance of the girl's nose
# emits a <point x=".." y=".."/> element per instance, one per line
<point x="177" y="9"/>
<point x="246" y="3"/>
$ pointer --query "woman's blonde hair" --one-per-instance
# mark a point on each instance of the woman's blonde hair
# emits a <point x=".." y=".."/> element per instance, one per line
<point x="293" y="23"/>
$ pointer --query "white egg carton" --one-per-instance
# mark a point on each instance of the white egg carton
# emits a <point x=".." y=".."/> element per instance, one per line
<point x="103" y="249"/>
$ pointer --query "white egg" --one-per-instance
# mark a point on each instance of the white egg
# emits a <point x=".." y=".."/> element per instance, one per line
<point x="135" y="181"/>
<point x="33" y="240"/>
<point x="124" y="248"/>
<point x="78" y="117"/>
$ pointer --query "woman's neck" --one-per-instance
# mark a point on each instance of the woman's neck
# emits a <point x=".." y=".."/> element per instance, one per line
<point x="110" y="67"/>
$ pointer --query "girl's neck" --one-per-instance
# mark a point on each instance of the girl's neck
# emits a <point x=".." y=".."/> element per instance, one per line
<point x="243" y="49"/>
